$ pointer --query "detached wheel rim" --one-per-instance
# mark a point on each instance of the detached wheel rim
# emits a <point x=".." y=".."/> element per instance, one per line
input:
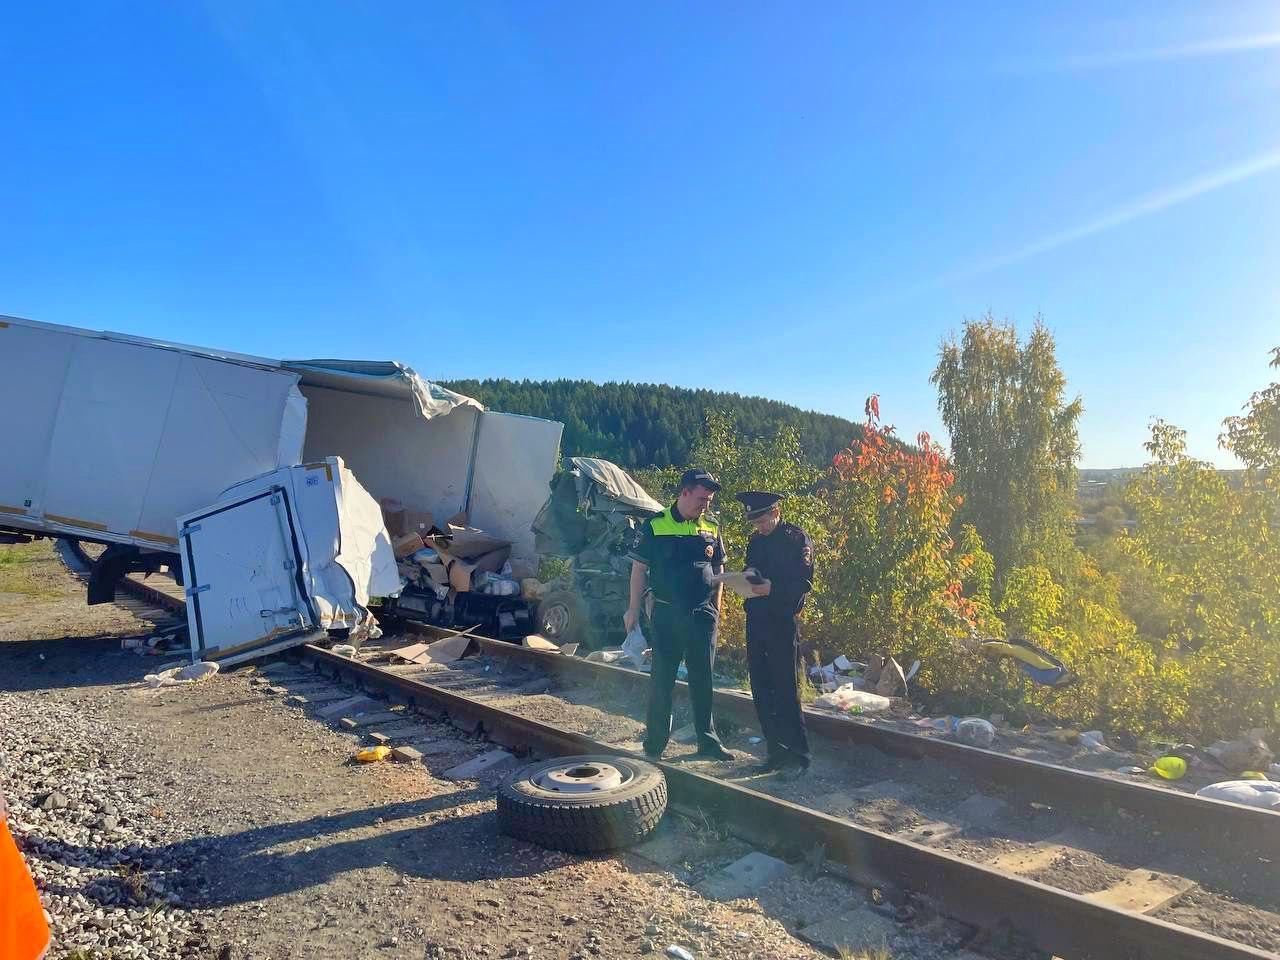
<point x="555" y="620"/>
<point x="591" y="776"/>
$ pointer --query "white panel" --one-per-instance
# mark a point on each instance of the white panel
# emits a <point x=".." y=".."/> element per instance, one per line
<point x="293" y="429"/>
<point x="223" y="424"/>
<point x="33" y="368"/>
<point x="365" y="551"/>
<point x="392" y="451"/>
<point x="237" y="559"/>
<point x="107" y="431"/>
<point x="346" y="553"/>
<point x="515" y="459"/>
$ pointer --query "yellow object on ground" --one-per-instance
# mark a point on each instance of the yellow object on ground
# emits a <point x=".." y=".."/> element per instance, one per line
<point x="373" y="754"/>
<point x="1171" y="768"/>
<point x="1253" y="775"/>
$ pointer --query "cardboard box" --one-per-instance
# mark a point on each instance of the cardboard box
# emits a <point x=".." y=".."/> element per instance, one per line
<point x="492" y="561"/>
<point x="405" y="545"/>
<point x="393" y="517"/>
<point x="418" y="521"/>
<point x="470" y="542"/>
<point x="436" y="573"/>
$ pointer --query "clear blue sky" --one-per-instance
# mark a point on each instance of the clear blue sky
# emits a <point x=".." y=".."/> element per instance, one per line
<point x="794" y="201"/>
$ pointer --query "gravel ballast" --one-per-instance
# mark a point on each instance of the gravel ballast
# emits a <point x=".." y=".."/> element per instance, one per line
<point x="114" y="869"/>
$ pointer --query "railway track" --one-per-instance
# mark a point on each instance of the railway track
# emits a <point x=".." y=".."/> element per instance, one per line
<point x="1005" y="904"/>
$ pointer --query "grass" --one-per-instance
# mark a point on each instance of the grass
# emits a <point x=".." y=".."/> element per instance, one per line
<point x="871" y="953"/>
<point x="17" y="563"/>
<point x="808" y="692"/>
<point x="707" y="830"/>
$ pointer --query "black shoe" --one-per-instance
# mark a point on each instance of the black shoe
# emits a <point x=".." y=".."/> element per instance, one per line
<point x="715" y="752"/>
<point x="793" y="768"/>
<point x="650" y="755"/>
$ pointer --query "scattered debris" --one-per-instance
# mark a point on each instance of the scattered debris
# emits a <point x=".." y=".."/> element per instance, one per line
<point x="1094" y="741"/>
<point x="181" y="676"/>
<point x="1254" y="793"/>
<point x="198" y="671"/>
<point x="1250" y="752"/>
<point x="976" y="731"/>
<point x="635" y="647"/>
<point x="373" y="754"/>
<point x="536" y="641"/>
<point x="849" y="699"/>
<point x="1169" y="768"/>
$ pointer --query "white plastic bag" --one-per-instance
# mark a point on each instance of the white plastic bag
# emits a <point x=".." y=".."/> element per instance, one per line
<point x="976" y="731"/>
<point x="1255" y="793"/>
<point x="166" y="678"/>
<point x="198" y="671"/>
<point x="634" y="647"/>
<point x="848" y="698"/>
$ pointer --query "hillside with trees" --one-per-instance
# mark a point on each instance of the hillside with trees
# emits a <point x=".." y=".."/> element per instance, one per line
<point x="647" y="424"/>
<point x="1165" y="608"/>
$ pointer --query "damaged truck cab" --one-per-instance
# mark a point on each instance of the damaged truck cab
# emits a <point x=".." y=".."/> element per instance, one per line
<point x="590" y="520"/>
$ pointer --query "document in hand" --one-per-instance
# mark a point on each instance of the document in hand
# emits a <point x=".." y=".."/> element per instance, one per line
<point x="740" y="582"/>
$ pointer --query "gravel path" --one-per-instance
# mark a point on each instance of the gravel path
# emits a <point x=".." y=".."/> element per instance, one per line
<point x="214" y="820"/>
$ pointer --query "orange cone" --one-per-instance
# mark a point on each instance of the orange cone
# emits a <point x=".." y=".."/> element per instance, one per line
<point x="24" y="935"/>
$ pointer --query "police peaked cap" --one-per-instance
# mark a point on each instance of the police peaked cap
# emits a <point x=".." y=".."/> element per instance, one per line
<point x="757" y="503"/>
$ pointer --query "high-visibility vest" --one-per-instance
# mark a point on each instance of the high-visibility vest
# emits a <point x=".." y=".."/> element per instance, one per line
<point x="24" y="935"/>
<point x="683" y="547"/>
<point x="665" y="525"/>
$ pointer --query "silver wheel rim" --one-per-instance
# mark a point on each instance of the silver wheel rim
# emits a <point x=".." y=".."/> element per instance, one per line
<point x="587" y="776"/>
<point x="555" y="621"/>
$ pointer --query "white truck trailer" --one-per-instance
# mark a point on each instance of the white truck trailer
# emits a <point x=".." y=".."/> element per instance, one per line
<point x="112" y="438"/>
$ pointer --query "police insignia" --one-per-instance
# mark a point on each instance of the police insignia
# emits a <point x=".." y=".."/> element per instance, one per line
<point x="711" y="550"/>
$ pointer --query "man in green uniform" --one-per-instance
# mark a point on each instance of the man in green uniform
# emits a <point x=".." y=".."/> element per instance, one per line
<point x="674" y="557"/>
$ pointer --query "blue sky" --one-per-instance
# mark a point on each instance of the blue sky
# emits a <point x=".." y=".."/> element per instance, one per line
<point x="796" y="201"/>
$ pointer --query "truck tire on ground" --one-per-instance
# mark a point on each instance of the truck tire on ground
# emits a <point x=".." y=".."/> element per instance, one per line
<point x="561" y="617"/>
<point x="585" y="804"/>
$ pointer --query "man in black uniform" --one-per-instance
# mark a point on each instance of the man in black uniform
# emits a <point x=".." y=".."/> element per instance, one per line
<point x="674" y="557"/>
<point x="782" y="554"/>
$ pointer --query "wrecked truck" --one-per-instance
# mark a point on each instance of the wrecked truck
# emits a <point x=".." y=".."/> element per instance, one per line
<point x="254" y="481"/>
<point x="590" y="520"/>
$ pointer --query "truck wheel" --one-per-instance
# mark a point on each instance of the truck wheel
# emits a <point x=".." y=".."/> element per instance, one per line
<point x="561" y="618"/>
<point x="583" y="804"/>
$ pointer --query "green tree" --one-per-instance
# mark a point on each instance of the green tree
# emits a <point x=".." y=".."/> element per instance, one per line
<point x="893" y="571"/>
<point x="1013" y="442"/>
<point x="1211" y="550"/>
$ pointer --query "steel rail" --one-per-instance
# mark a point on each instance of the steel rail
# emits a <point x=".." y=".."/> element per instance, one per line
<point x="1177" y="813"/>
<point x="1042" y="916"/>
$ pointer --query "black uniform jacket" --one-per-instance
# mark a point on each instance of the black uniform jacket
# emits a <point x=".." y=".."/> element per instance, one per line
<point x="785" y="558"/>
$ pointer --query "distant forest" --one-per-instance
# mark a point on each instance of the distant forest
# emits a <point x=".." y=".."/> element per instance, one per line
<point x="646" y="424"/>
